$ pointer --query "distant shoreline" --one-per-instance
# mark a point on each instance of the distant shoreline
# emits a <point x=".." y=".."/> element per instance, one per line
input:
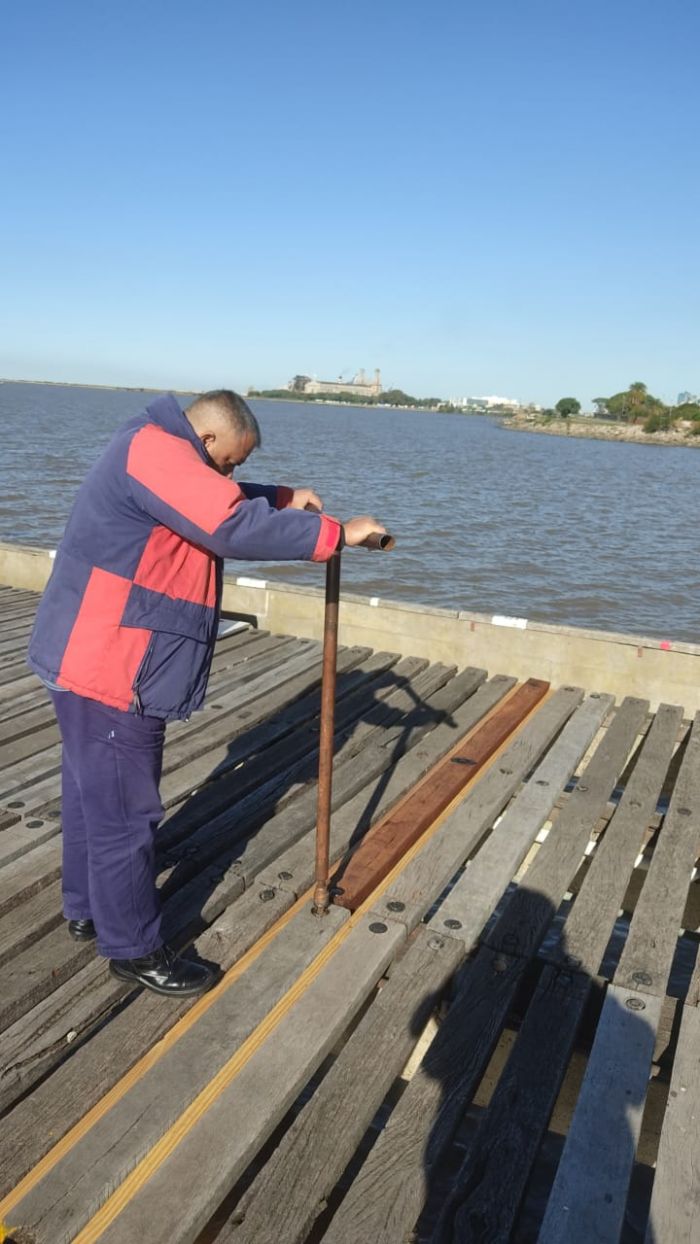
<point x="255" y="397"/>
<point x="631" y="434"/>
<point x="109" y="388"/>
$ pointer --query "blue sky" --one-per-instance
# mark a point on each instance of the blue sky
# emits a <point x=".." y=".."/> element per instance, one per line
<point x="494" y="197"/>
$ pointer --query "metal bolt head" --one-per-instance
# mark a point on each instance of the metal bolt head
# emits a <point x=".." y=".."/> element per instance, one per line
<point x="377" y="926"/>
<point x="395" y="905"/>
<point x="435" y="943"/>
<point x="285" y="876"/>
<point x="635" y="1004"/>
<point x="266" y="895"/>
<point x="452" y="923"/>
<point x="500" y="964"/>
<point x="641" y="978"/>
<point x="681" y="811"/>
<point x="541" y="782"/>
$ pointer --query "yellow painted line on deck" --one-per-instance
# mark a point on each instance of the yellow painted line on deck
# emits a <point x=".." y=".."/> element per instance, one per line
<point x="197" y="1108"/>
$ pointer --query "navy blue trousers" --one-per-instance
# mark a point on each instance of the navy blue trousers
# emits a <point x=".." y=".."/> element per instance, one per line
<point x="110" y="809"/>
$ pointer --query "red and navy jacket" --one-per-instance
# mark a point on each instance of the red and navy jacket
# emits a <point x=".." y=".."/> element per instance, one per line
<point x="129" y="616"/>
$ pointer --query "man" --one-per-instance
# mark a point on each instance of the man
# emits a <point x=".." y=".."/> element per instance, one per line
<point x="124" y="637"/>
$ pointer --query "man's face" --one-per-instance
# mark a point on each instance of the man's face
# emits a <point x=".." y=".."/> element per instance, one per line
<point x="227" y="449"/>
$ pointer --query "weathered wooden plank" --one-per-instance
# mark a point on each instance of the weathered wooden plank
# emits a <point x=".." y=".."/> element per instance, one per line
<point x="44" y="795"/>
<point x="50" y="962"/>
<point x="57" y="1207"/>
<point x="261" y="1093"/>
<point x="228" y="812"/>
<point x="560" y="855"/>
<point x="16" y="750"/>
<point x="437" y="708"/>
<point x="511" y="1130"/>
<point x="34" y="768"/>
<point x="590" y="923"/>
<point x="674" y="1214"/>
<point x="29" y="874"/>
<point x="38" y="969"/>
<point x="470" y="902"/>
<point x="587" y="1201"/>
<point x="37" y="916"/>
<point x="294" y="868"/>
<point x="44" y="862"/>
<point x="352" y="771"/>
<point x="25" y="723"/>
<point x="23" y="836"/>
<point x="15" y="673"/>
<point x="646" y="959"/>
<point x="58" y="1025"/>
<point x="228" y="833"/>
<point x="289" y="1192"/>
<point x="384" y="845"/>
<point x="26" y="772"/>
<point x="387" y="1196"/>
<point x="302" y="1176"/>
<point x="231" y="674"/>
<point x="427" y="875"/>
<point x="265" y="718"/>
<point x="219" y="761"/>
<point x="482" y="1204"/>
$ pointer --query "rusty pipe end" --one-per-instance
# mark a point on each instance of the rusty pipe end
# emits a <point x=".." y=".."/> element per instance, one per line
<point x="378" y="542"/>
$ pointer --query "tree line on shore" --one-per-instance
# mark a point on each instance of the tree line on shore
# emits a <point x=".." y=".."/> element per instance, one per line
<point x="634" y="405"/>
<point x="389" y="397"/>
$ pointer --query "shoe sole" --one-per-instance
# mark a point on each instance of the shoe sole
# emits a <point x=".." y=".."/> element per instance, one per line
<point x="190" y="992"/>
<point x="83" y="937"/>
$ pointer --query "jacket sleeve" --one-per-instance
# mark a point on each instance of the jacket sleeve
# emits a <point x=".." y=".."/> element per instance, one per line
<point x="169" y="482"/>
<point x="278" y="495"/>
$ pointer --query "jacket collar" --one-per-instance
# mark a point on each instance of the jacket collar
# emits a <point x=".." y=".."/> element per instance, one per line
<point x="166" y="413"/>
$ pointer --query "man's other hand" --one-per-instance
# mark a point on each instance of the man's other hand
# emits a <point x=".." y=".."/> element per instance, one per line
<point x="358" y="529"/>
<point x="306" y="499"/>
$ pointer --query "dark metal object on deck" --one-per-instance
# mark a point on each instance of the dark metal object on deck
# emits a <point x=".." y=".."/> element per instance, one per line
<point x="321" y="898"/>
<point x="325" y="759"/>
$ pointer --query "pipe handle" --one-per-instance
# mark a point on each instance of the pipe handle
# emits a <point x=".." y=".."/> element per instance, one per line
<point x="379" y="543"/>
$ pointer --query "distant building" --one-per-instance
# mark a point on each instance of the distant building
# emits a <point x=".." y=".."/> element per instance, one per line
<point x="359" y="386"/>
<point x="687" y="397"/>
<point x="487" y="403"/>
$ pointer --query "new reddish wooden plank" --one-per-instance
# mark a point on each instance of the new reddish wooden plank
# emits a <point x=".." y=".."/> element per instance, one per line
<point x="384" y="845"/>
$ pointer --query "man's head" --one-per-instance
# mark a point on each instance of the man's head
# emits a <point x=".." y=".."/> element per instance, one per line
<point x="226" y="426"/>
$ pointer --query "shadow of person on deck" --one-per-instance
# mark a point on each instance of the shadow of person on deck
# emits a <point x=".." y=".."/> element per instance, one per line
<point x="489" y="1168"/>
<point x="266" y="773"/>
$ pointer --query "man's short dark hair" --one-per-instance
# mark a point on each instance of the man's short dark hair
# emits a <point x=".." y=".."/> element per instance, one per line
<point x="234" y="408"/>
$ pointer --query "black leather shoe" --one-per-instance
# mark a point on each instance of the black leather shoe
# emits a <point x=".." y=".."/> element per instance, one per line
<point x="164" y="972"/>
<point x="82" y="930"/>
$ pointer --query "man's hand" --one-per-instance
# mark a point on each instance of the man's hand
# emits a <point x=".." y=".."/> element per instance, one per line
<point x="358" y="529"/>
<point x="306" y="499"/>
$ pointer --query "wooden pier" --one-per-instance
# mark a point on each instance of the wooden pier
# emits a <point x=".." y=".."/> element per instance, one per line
<point x="496" y="1036"/>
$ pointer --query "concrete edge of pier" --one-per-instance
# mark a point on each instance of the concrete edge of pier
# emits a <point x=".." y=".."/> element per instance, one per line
<point x="656" y="669"/>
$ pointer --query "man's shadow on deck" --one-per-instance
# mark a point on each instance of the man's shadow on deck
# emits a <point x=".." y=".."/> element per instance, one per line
<point x="212" y="828"/>
<point x="494" y="1183"/>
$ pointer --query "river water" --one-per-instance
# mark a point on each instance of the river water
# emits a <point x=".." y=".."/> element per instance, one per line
<point x="590" y="533"/>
